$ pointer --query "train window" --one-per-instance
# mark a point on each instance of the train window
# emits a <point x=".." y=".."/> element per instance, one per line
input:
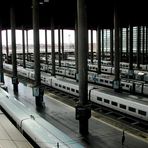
<point x="122" y="84"/>
<point x="106" y="101"/>
<point x="127" y="85"/>
<point x="101" y="80"/>
<point x="72" y="90"/>
<point x="68" y="88"/>
<point x="111" y="82"/>
<point x="142" y="112"/>
<point x="59" y="85"/>
<point x="99" y="99"/>
<point x="106" y="81"/>
<point x="131" y="109"/>
<point x="64" y="87"/>
<point x="114" y="103"/>
<point x="56" y="84"/>
<point x="77" y="91"/>
<point x="122" y="106"/>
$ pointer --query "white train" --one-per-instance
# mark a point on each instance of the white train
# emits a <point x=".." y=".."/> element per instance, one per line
<point x="42" y="133"/>
<point x="129" y="104"/>
<point x="68" y="69"/>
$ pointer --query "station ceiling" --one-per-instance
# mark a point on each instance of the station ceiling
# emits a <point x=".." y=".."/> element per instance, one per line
<point x="99" y="12"/>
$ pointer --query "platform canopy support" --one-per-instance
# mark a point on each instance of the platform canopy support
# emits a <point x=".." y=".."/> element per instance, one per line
<point x="83" y="111"/>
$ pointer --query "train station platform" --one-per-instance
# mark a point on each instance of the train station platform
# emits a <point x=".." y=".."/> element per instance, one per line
<point x="62" y="116"/>
<point x="10" y="137"/>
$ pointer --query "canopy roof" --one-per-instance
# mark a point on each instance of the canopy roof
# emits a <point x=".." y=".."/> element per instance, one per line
<point x="100" y="13"/>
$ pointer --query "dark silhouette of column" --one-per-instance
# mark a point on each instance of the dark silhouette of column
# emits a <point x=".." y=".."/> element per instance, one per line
<point x="37" y="90"/>
<point x="116" y="82"/>
<point x="127" y="51"/>
<point x="102" y="44"/>
<point x="1" y="58"/>
<point x="111" y="47"/>
<point x="7" y="48"/>
<point x="98" y="33"/>
<point x="27" y="45"/>
<point x="13" y="38"/>
<point x="131" y="72"/>
<point x="59" y="46"/>
<point x="91" y="52"/>
<point x="138" y="46"/>
<point x="46" y="48"/>
<point x="83" y="112"/>
<point x="52" y="47"/>
<point x="23" y="47"/>
<point x="63" y="44"/>
<point x="76" y="46"/>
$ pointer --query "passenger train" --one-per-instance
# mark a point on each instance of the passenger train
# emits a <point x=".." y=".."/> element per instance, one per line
<point x="68" y="69"/>
<point x="133" y="86"/>
<point x="129" y="104"/>
<point x="42" y="133"/>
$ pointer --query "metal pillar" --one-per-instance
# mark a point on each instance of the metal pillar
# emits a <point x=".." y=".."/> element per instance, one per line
<point x="27" y="45"/>
<point x="62" y="44"/>
<point x="116" y="83"/>
<point x="102" y="44"/>
<point x="127" y="44"/>
<point x="59" y="46"/>
<point x="138" y="46"/>
<point x="121" y="34"/>
<point x="143" y="44"/>
<point x="83" y="112"/>
<point x="111" y="47"/>
<point x="76" y="46"/>
<point x="52" y="47"/>
<point x="91" y="52"/>
<point x="14" y="62"/>
<point x="131" y="72"/>
<point x="23" y="46"/>
<point x="106" y="45"/>
<point x="37" y="90"/>
<point x="98" y="33"/>
<point x="146" y="45"/>
<point x="1" y="58"/>
<point x="46" y="48"/>
<point x="7" y="48"/>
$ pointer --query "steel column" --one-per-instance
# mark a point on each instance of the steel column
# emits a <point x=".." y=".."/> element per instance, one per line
<point x="38" y="92"/>
<point x="63" y="44"/>
<point x="13" y="39"/>
<point x="116" y="83"/>
<point x="27" y="45"/>
<point x="111" y="47"/>
<point x="46" y="48"/>
<point x="102" y="44"/>
<point x="76" y="46"/>
<point x="23" y="46"/>
<point x="1" y="58"/>
<point x="7" y="48"/>
<point x="127" y="48"/>
<point x="98" y="33"/>
<point x="91" y="52"/>
<point x="143" y="44"/>
<point x="138" y="46"/>
<point x="131" y="72"/>
<point x="121" y="48"/>
<point x="146" y="45"/>
<point x="59" y="46"/>
<point x="83" y="112"/>
<point x="52" y="47"/>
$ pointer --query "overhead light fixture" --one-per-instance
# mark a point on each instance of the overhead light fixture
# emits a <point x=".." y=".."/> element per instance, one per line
<point x="46" y="1"/>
